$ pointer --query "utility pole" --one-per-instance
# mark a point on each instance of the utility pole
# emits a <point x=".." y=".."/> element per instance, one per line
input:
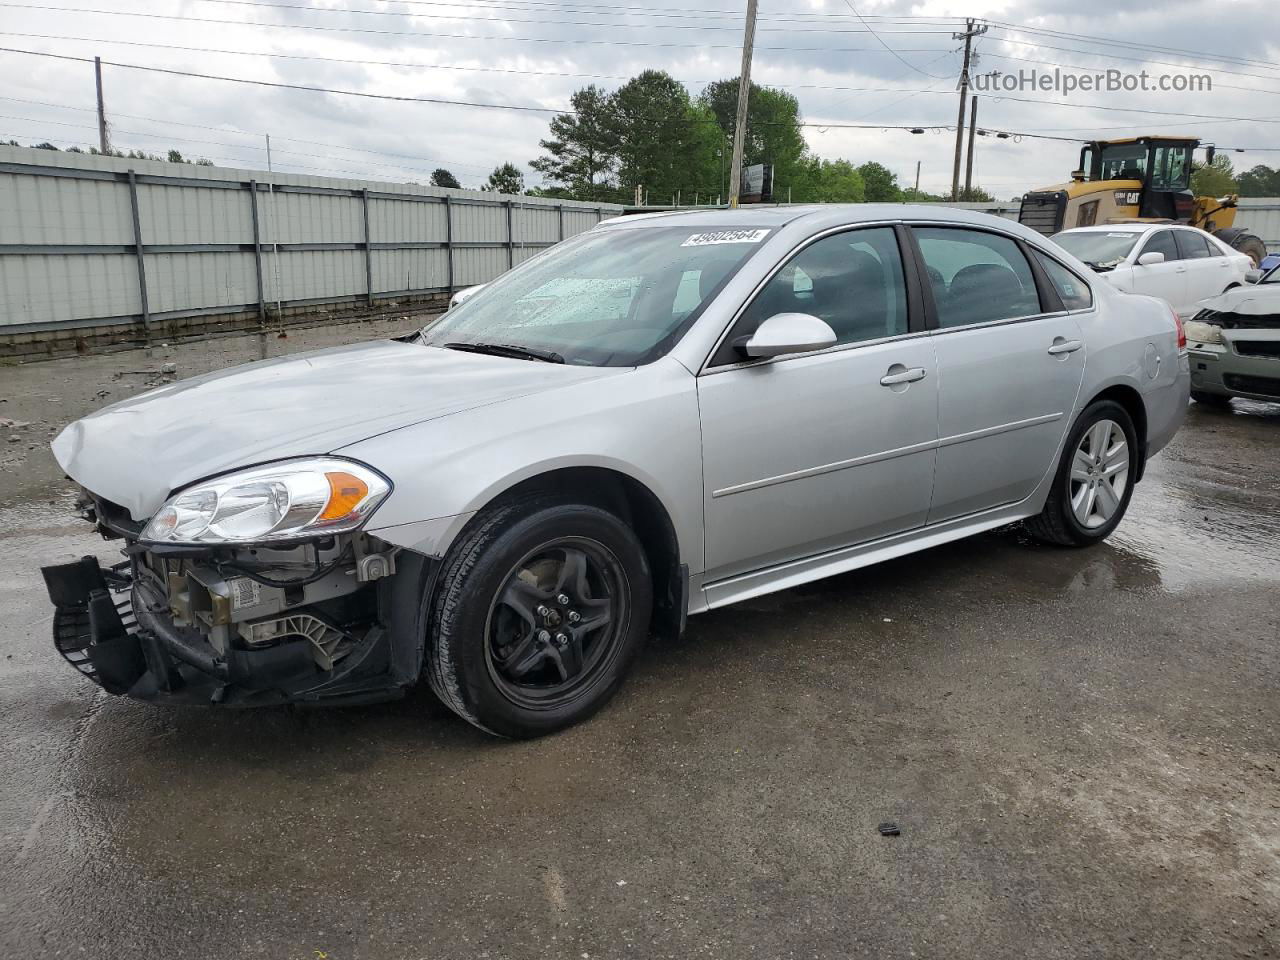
<point x="969" y="33"/>
<point x="104" y="140"/>
<point x="916" y="195"/>
<point x="973" y="128"/>
<point x="744" y="91"/>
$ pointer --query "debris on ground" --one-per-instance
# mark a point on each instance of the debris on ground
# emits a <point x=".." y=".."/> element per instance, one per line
<point x="889" y="829"/>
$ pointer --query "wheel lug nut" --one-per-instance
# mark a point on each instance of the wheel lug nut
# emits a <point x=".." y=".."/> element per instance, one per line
<point x="574" y="616"/>
<point x="563" y="599"/>
<point x="561" y="640"/>
<point x="542" y="610"/>
<point x="543" y="636"/>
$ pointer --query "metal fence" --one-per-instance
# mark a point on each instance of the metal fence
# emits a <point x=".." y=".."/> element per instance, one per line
<point x="88" y="241"/>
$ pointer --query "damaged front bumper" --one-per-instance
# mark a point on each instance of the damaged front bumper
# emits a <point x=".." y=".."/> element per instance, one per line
<point x="200" y="627"/>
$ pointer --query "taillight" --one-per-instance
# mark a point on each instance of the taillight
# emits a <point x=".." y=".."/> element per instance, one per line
<point x="1182" y="333"/>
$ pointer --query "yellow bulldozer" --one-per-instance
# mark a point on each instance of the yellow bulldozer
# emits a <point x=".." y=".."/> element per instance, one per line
<point x="1138" y="180"/>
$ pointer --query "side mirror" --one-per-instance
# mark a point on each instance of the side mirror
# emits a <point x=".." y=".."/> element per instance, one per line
<point x="787" y="333"/>
<point x="1151" y="258"/>
<point x="1253" y="276"/>
<point x="465" y="294"/>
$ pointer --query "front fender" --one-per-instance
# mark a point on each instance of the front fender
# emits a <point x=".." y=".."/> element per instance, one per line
<point x="643" y="425"/>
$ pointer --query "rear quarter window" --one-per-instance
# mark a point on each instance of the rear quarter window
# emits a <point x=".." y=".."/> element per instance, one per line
<point x="1075" y="293"/>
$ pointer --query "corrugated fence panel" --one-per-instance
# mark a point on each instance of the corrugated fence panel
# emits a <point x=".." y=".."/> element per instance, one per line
<point x="400" y="221"/>
<point x="189" y="281"/>
<point x="62" y="210"/>
<point x="193" y="215"/>
<point x="576" y="221"/>
<point x="535" y="224"/>
<point x="318" y="274"/>
<point x="312" y="218"/>
<point x="478" y="265"/>
<point x="473" y="223"/>
<point x="395" y="271"/>
<point x="52" y="288"/>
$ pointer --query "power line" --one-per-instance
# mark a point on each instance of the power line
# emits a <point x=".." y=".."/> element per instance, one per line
<point x="897" y="56"/>
<point x="425" y="66"/>
<point x="559" y="110"/>
<point x="543" y="21"/>
<point x="447" y="36"/>
<point x="1124" y="44"/>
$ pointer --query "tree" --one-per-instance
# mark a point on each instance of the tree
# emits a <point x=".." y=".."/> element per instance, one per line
<point x="773" y="133"/>
<point x="1261" y="181"/>
<point x="506" y="178"/>
<point x="881" y="183"/>
<point x="976" y="195"/>
<point x="580" y="155"/>
<point x="654" y="135"/>
<point x="1213" y="179"/>
<point x="440" y="177"/>
<point x="175" y="157"/>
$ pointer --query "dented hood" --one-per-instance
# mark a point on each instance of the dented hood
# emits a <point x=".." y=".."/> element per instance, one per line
<point x="1254" y="305"/>
<point x="137" y="452"/>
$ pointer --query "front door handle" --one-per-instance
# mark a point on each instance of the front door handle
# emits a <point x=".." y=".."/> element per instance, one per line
<point x="1061" y="346"/>
<point x="899" y="374"/>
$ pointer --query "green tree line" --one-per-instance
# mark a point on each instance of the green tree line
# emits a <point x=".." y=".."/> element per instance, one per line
<point x="652" y="133"/>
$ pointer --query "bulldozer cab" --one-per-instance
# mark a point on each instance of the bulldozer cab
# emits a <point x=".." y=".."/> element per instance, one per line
<point x="1122" y="181"/>
<point x="1161" y="168"/>
<point x="1140" y="179"/>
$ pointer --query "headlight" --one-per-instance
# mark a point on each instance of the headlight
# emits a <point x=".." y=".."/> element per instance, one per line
<point x="289" y="500"/>
<point x="1200" y="332"/>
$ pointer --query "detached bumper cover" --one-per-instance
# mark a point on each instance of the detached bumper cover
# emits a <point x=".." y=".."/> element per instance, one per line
<point x="107" y="627"/>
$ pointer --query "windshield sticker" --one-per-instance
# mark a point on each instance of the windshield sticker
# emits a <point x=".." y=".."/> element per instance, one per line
<point x="1120" y="236"/>
<point x="725" y="236"/>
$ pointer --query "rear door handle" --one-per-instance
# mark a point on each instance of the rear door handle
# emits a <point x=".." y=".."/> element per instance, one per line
<point x="899" y="374"/>
<point x="1061" y="346"/>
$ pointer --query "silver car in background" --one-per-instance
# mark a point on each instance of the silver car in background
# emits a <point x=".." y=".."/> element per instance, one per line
<point x="656" y="418"/>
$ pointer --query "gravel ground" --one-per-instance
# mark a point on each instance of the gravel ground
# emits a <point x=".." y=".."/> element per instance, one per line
<point x="1081" y="749"/>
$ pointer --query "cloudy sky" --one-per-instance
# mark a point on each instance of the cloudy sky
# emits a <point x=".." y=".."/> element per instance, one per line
<point x="896" y="64"/>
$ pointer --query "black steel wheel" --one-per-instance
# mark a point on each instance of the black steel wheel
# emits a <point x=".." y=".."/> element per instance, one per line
<point x="557" y="619"/>
<point x="540" y="609"/>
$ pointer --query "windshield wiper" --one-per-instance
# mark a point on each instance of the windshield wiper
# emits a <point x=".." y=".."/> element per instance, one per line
<point x="1101" y="267"/>
<point x="506" y="350"/>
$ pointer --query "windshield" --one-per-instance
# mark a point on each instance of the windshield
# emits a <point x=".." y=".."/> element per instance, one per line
<point x="1100" y="249"/>
<point x="1272" y="275"/>
<point x="610" y="298"/>
<point x="1126" y="161"/>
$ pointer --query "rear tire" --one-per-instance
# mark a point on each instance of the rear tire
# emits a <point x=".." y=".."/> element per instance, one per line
<point x="1247" y="243"/>
<point x="1094" y="480"/>
<point x="541" y="608"/>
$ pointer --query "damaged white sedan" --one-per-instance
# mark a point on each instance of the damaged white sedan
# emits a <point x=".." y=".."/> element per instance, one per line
<point x="659" y="417"/>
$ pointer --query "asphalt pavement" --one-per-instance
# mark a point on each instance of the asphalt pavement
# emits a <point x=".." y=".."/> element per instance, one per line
<point x="1081" y="750"/>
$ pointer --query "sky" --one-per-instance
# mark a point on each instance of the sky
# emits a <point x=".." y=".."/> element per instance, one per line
<point x="892" y="63"/>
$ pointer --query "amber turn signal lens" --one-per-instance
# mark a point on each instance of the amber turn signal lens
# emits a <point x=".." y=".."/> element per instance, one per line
<point x="345" y="494"/>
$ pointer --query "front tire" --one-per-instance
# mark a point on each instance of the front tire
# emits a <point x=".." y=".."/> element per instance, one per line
<point x="1094" y="480"/>
<point x="541" y="608"/>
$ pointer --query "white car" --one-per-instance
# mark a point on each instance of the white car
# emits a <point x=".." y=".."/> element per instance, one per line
<point x="1180" y="265"/>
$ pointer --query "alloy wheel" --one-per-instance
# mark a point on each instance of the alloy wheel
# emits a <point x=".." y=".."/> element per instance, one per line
<point x="556" y="621"/>
<point x="1099" y="474"/>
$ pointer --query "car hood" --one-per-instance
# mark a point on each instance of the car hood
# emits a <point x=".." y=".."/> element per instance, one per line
<point x="137" y="452"/>
<point x="1255" y="305"/>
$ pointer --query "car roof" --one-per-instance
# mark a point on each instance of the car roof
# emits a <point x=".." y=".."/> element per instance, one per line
<point x="1129" y="228"/>
<point x="816" y="215"/>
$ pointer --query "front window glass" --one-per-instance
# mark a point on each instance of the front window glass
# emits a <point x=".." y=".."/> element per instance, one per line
<point x="852" y="281"/>
<point x="977" y="277"/>
<point x="1124" y="161"/>
<point x="605" y="298"/>
<point x="1161" y="242"/>
<point x="1100" y="249"/>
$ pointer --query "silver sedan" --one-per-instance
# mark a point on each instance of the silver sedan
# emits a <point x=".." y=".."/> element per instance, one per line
<point x="662" y="416"/>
